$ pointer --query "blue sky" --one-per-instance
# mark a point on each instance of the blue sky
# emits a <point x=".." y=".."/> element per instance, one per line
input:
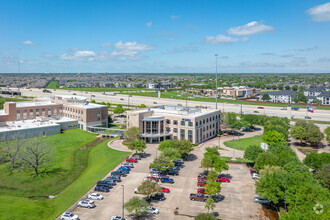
<point x="147" y="36"/>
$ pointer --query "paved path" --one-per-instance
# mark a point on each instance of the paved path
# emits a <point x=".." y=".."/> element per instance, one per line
<point x="118" y="145"/>
<point x="227" y="151"/>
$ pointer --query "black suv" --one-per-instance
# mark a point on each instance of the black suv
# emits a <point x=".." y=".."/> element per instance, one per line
<point x="157" y="196"/>
<point x="102" y="189"/>
<point x="104" y="183"/>
<point x="172" y="172"/>
<point x="114" y="177"/>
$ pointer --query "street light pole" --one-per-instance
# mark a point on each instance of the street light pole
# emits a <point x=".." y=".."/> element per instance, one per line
<point x="123" y="201"/>
<point x="216" y="81"/>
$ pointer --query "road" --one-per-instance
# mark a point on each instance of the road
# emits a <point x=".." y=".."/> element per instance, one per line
<point x="321" y="115"/>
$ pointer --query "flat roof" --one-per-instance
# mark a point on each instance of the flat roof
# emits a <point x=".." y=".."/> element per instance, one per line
<point x="33" y="104"/>
<point x="86" y="106"/>
<point x="74" y="97"/>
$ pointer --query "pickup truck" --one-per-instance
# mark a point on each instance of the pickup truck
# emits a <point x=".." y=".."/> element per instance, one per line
<point x="119" y="172"/>
<point x="166" y="179"/>
<point x="198" y="197"/>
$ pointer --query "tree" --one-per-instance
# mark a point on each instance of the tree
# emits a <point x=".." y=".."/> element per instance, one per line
<point x="265" y="158"/>
<point x="119" y="109"/>
<point x="142" y="106"/>
<point x="252" y="152"/>
<point x="35" y="154"/>
<point x="148" y="187"/>
<point x="132" y="134"/>
<point x="327" y="133"/>
<point x="220" y="165"/>
<point x="298" y="132"/>
<point x="212" y="175"/>
<point x="205" y="216"/>
<point x="324" y="175"/>
<point x="162" y="163"/>
<point x="93" y="101"/>
<point x="302" y="98"/>
<point x="12" y="149"/>
<point x="314" y="135"/>
<point x="280" y="86"/>
<point x="172" y="153"/>
<point x="209" y="204"/>
<point x="265" y="97"/>
<point x="184" y="146"/>
<point x="108" y="104"/>
<point x="317" y="102"/>
<point x="273" y="137"/>
<point x="136" y="205"/>
<point x="287" y="87"/>
<point x="315" y="161"/>
<point x="295" y="88"/>
<point x="271" y="184"/>
<point x="212" y="187"/>
<point x="137" y="145"/>
<point x="207" y="163"/>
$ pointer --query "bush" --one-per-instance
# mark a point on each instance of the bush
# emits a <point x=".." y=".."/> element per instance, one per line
<point x="252" y="152"/>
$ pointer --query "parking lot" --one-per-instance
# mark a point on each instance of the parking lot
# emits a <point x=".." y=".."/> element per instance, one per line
<point x="237" y="203"/>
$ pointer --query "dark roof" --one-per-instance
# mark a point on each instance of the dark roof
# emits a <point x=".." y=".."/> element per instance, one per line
<point x="284" y="92"/>
<point x="324" y="94"/>
<point x="319" y="89"/>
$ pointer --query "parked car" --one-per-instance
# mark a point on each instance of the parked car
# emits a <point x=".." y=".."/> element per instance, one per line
<point x="117" y="218"/>
<point x="131" y="165"/>
<point x="255" y="175"/>
<point x="201" y="190"/>
<point x="155" y="175"/>
<point x="255" y="111"/>
<point x="151" y="178"/>
<point x="157" y="196"/>
<point x="136" y="191"/>
<point x="178" y="165"/>
<point x="165" y="190"/>
<point x="178" y="161"/>
<point x="69" y="216"/>
<point x="201" y="183"/>
<point x="223" y="179"/>
<point x="172" y="172"/>
<point x="154" y="170"/>
<point x="166" y="179"/>
<point x="260" y="107"/>
<point x="260" y="200"/>
<point x="114" y="177"/>
<point x="202" y="178"/>
<point x="95" y="196"/>
<point x="154" y="102"/>
<point x="124" y="170"/>
<point x="112" y="182"/>
<point x="119" y="172"/>
<point x="136" y="156"/>
<point x="87" y="204"/>
<point x="308" y="117"/>
<point x="252" y="171"/>
<point x="133" y="160"/>
<point x="152" y="210"/>
<point x="198" y="197"/>
<point x="102" y="189"/>
<point x="104" y="183"/>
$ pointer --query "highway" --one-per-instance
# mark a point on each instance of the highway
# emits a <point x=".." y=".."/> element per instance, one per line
<point x="320" y="115"/>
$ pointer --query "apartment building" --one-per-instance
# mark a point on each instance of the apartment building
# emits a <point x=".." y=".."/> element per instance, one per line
<point x="72" y="107"/>
<point x="175" y="122"/>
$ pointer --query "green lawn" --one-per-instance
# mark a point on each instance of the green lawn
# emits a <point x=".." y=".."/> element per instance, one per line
<point x="243" y="143"/>
<point x="78" y="172"/>
<point x="176" y="95"/>
<point x="314" y="121"/>
<point x="107" y="89"/>
<point x="53" y="85"/>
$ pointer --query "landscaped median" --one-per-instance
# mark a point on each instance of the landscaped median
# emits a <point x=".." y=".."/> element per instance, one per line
<point x="100" y="160"/>
<point x="243" y="143"/>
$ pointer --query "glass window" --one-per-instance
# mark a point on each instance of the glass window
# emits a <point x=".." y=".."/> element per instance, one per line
<point x="168" y="130"/>
<point x="175" y="122"/>
<point x="203" y="121"/>
<point x="182" y="134"/>
<point x="148" y="127"/>
<point x="196" y="123"/>
<point x="31" y="113"/>
<point x="161" y="125"/>
<point x="168" y="121"/>
<point x="55" y="111"/>
<point x="25" y="114"/>
<point x="183" y="123"/>
<point x="143" y="124"/>
<point x="213" y="118"/>
<point x="190" y="135"/>
<point x="18" y="115"/>
<point x="207" y="120"/>
<point x="49" y="112"/>
<point x="154" y="127"/>
<point x="43" y="112"/>
<point x="175" y="130"/>
<point x="190" y="124"/>
<point x="98" y="116"/>
<point x="37" y="112"/>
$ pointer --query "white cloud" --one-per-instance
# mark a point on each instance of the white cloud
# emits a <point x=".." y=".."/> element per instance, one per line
<point x="149" y="24"/>
<point x="106" y="45"/>
<point x="253" y="27"/>
<point x="181" y="49"/>
<point x="220" y="39"/>
<point x="28" y="42"/>
<point x="78" y="55"/>
<point x="130" y="48"/>
<point x="320" y="12"/>
<point x="175" y="17"/>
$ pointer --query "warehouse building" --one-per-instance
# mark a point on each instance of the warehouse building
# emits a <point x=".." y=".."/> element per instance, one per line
<point x="175" y="122"/>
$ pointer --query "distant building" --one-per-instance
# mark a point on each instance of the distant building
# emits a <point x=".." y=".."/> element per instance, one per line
<point x="285" y="96"/>
<point x="164" y="85"/>
<point x="239" y="91"/>
<point x="161" y="123"/>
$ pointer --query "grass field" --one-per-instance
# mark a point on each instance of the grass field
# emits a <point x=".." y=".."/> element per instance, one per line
<point x="75" y="171"/>
<point x="243" y="143"/>
<point x="176" y="95"/>
<point x="5" y="99"/>
<point x="107" y="89"/>
<point x="53" y="85"/>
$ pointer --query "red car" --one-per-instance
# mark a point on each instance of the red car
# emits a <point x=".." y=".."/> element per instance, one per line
<point x="201" y="183"/>
<point x="223" y="179"/>
<point x="132" y="160"/>
<point x="165" y="190"/>
<point x="252" y="171"/>
<point x="260" y="107"/>
<point x="201" y="190"/>
<point x="153" y="178"/>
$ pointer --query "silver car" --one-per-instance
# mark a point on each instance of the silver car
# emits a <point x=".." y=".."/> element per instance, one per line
<point x="261" y="200"/>
<point x="87" y="204"/>
<point x="69" y="216"/>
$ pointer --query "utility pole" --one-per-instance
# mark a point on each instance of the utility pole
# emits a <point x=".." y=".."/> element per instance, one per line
<point x="216" y="81"/>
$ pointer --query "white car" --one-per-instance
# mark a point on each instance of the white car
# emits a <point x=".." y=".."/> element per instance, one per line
<point x="152" y="210"/>
<point x="156" y="175"/>
<point x="96" y="196"/>
<point x="146" y="179"/>
<point x="117" y="218"/>
<point x="136" y="191"/>
<point x="255" y="175"/>
<point x="69" y="216"/>
<point x="87" y="204"/>
<point x="131" y="165"/>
